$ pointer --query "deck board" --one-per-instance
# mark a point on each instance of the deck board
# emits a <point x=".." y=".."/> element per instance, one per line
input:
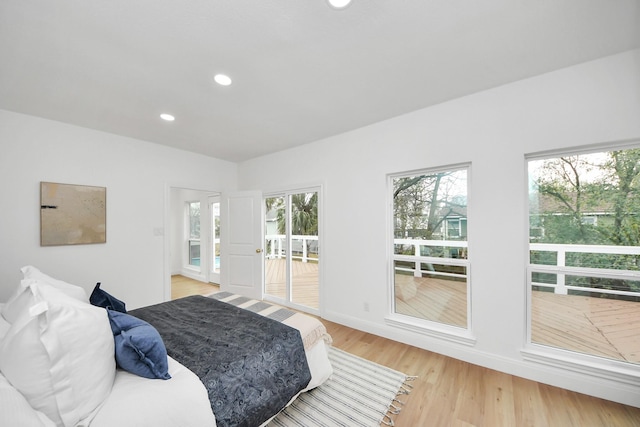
<point x="305" y="281"/>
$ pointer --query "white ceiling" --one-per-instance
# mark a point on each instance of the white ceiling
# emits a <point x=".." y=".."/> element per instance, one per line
<point x="301" y="70"/>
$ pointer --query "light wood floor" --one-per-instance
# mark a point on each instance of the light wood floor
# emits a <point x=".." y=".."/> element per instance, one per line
<point x="449" y="392"/>
<point x="183" y="286"/>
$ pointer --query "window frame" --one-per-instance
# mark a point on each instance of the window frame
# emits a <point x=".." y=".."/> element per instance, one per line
<point x="426" y="327"/>
<point x="583" y="363"/>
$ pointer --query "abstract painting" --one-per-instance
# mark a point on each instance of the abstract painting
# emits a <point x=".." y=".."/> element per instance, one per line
<point x="72" y="214"/>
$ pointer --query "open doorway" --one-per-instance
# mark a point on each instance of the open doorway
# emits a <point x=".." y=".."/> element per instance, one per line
<point x="192" y="241"/>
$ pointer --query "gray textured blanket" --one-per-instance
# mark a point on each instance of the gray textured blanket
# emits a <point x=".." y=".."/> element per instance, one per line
<point x="252" y="366"/>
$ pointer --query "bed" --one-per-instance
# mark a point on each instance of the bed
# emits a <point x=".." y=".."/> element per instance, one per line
<point x="240" y="359"/>
<point x="253" y="365"/>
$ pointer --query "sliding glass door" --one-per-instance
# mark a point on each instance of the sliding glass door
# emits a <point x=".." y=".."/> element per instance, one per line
<point x="292" y="255"/>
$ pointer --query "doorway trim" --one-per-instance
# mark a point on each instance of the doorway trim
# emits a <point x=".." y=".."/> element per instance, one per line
<point x="166" y="231"/>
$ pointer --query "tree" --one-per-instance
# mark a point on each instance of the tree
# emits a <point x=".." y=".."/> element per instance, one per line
<point x="561" y="180"/>
<point x="422" y="203"/>
<point x="304" y="213"/>
<point x="606" y="183"/>
<point x="585" y="183"/>
<point x="624" y="176"/>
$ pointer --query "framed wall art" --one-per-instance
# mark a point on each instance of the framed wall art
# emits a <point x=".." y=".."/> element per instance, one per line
<point x="72" y="214"/>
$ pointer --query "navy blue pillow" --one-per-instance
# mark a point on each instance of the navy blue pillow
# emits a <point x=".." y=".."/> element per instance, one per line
<point x="139" y="347"/>
<point x="102" y="298"/>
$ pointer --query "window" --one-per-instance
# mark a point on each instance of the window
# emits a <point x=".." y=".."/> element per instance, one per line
<point x="456" y="228"/>
<point x="584" y="270"/>
<point x="193" y="210"/>
<point x="430" y="256"/>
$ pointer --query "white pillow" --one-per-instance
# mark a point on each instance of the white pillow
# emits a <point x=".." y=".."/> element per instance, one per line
<point x="23" y="298"/>
<point x="59" y="354"/>
<point x="4" y="327"/>
<point x="16" y="411"/>
<point x="19" y="302"/>
<point x="30" y="272"/>
<point x="19" y="299"/>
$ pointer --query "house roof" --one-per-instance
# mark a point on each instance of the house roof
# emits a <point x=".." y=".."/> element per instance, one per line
<point x="546" y="204"/>
<point x="301" y="70"/>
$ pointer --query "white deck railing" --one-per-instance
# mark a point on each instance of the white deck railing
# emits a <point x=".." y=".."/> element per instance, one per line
<point x="276" y="247"/>
<point x="417" y="259"/>
<point x="561" y="270"/>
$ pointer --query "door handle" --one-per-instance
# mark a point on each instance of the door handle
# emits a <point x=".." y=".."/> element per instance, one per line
<point x="258" y="251"/>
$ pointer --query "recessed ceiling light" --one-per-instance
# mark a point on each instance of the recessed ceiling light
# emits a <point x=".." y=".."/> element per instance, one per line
<point x="167" y="117"/>
<point x="222" y="79"/>
<point x="339" y="4"/>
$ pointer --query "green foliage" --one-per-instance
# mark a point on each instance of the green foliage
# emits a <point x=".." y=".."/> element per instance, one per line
<point x="605" y="185"/>
<point x="602" y="186"/>
<point x="304" y="213"/>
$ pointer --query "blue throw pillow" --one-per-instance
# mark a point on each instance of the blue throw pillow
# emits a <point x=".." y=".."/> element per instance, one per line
<point x="139" y="347"/>
<point x="103" y="299"/>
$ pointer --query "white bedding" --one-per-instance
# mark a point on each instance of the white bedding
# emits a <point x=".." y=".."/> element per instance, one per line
<point x="140" y="402"/>
<point x="14" y="408"/>
<point x="182" y="400"/>
<point x="4" y="325"/>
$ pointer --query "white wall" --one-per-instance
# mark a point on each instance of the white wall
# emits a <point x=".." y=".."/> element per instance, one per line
<point x="591" y="103"/>
<point x="137" y="175"/>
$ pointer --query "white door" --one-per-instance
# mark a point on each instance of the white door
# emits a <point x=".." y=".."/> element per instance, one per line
<point x="242" y="258"/>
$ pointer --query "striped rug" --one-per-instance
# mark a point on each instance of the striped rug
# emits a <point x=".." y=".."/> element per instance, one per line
<point x="359" y="394"/>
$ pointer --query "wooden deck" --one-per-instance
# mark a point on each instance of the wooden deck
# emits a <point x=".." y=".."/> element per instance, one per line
<point x="434" y="299"/>
<point x="597" y="326"/>
<point x="305" y="289"/>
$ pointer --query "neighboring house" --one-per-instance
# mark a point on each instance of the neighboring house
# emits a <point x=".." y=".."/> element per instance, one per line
<point x="545" y="210"/>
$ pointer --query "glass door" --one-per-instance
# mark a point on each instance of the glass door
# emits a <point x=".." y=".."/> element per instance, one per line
<point x="292" y="255"/>
<point x="276" y="245"/>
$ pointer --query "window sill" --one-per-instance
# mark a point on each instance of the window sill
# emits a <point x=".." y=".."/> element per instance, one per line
<point x="432" y="329"/>
<point x="607" y="369"/>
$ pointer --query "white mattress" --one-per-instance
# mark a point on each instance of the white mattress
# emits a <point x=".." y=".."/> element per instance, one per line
<point x="141" y="402"/>
<point x="182" y="400"/>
